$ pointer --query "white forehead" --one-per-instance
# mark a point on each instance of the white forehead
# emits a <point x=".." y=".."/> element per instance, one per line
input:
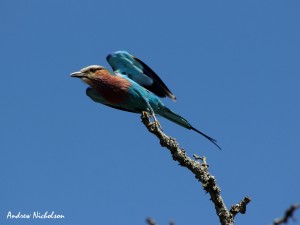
<point x="88" y="68"/>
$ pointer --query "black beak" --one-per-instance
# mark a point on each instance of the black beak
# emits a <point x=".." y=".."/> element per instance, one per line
<point x="78" y="74"/>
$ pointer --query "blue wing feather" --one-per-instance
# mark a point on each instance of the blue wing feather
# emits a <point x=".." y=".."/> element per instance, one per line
<point x="124" y="64"/>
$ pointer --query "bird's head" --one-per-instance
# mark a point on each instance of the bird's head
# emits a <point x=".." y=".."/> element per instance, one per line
<point x="89" y="73"/>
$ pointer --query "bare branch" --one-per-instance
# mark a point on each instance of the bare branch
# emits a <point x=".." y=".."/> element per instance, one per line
<point x="150" y="221"/>
<point x="240" y="207"/>
<point x="200" y="170"/>
<point x="288" y="214"/>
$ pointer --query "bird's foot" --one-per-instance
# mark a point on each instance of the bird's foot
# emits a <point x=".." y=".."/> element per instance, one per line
<point x="156" y="122"/>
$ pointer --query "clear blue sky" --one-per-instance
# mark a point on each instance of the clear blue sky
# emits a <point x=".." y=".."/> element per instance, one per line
<point x="234" y="67"/>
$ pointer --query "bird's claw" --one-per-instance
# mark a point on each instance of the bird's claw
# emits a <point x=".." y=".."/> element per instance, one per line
<point x="157" y="124"/>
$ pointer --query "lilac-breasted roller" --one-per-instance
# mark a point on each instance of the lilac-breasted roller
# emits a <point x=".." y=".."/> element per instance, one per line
<point x="133" y="87"/>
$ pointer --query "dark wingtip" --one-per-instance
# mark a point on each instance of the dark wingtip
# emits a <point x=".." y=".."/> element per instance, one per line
<point x="209" y="138"/>
<point x="158" y="87"/>
<point x="172" y="97"/>
<point x="107" y="57"/>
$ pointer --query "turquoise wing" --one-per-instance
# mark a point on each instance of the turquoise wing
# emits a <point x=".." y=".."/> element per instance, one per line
<point x="125" y="64"/>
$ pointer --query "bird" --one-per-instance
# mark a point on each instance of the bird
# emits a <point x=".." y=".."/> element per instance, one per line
<point x="132" y="87"/>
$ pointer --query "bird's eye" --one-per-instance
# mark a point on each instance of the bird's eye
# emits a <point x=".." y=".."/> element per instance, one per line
<point x="93" y="70"/>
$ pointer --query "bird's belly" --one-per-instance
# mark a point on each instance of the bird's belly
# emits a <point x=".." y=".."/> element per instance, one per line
<point x="114" y="96"/>
<point x="111" y="91"/>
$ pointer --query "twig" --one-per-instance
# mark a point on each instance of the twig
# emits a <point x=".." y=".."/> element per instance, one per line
<point x="288" y="214"/>
<point x="240" y="207"/>
<point x="150" y="221"/>
<point x="200" y="170"/>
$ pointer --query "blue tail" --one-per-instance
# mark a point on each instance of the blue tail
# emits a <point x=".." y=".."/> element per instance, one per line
<point x="170" y="115"/>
